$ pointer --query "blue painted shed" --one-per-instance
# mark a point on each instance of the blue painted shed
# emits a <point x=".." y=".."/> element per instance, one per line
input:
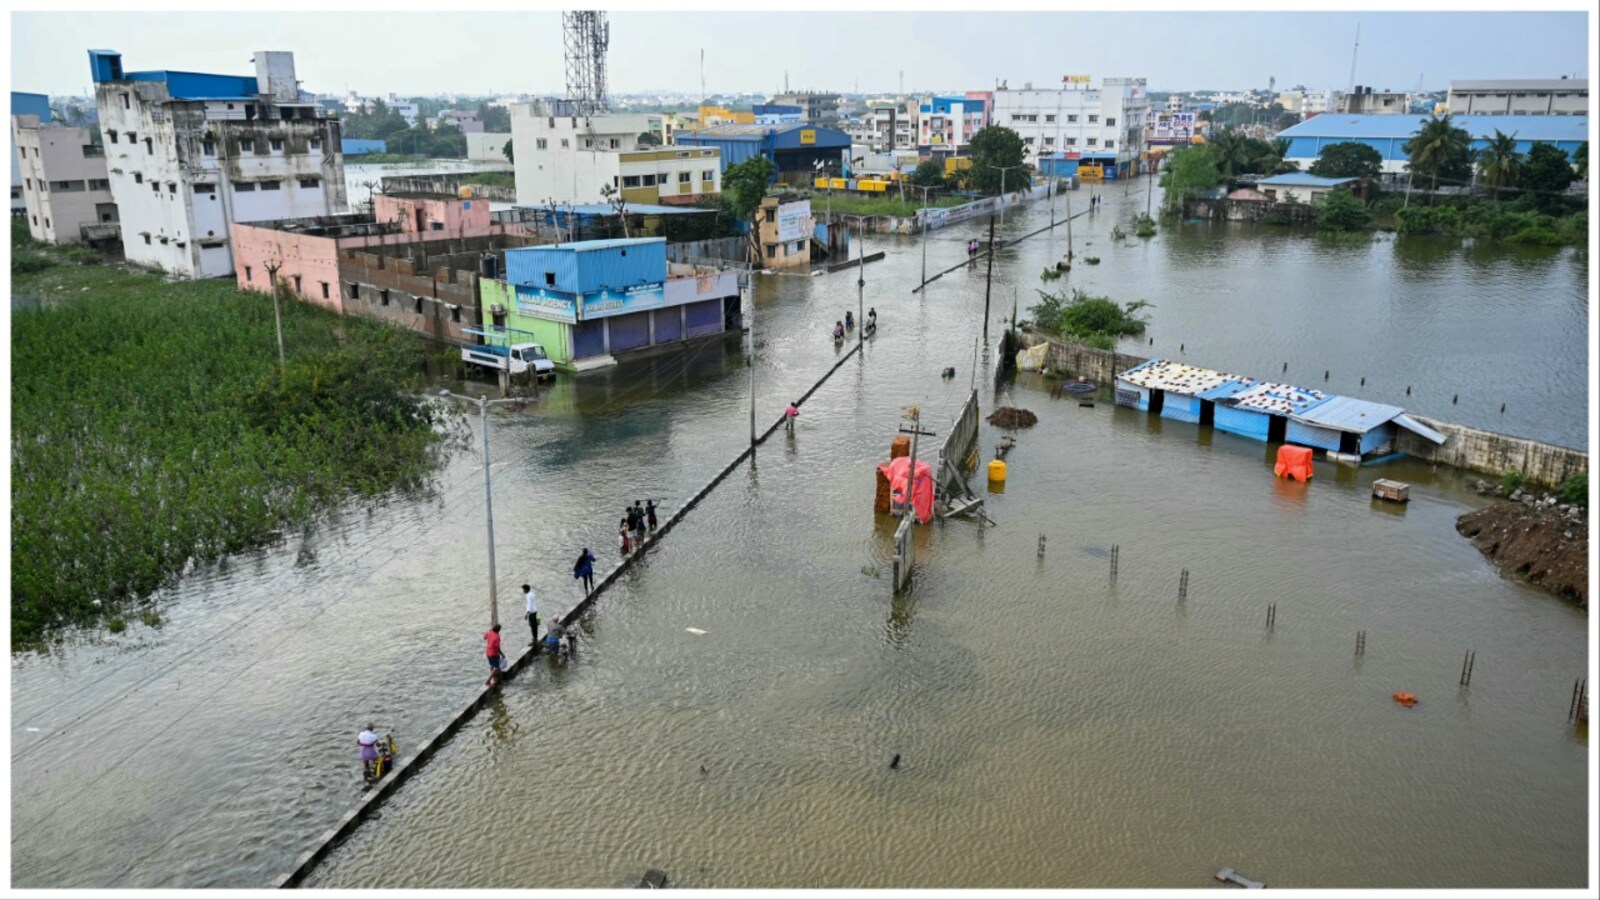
<point x="793" y="148"/>
<point x="1349" y="425"/>
<point x="106" y="65"/>
<point x="1175" y="390"/>
<point x="585" y="267"/>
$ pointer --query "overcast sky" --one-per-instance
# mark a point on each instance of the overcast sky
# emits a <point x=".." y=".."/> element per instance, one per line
<point x="425" y="53"/>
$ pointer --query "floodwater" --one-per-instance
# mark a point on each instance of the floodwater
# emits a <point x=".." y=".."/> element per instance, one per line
<point x="1055" y="730"/>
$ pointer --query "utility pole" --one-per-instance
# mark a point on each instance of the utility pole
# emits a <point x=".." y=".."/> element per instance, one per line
<point x="988" y="282"/>
<point x="746" y="289"/>
<point x="911" y="482"/>
<point x="488" y="509"/>
<point x="1149" y="189"/>
<point x="924" y="238"/>
<point x="1069" y="229"/>
<point x="277" y="317"/>
<point x="1003" y="170"/>
<point x="861" y="285"/>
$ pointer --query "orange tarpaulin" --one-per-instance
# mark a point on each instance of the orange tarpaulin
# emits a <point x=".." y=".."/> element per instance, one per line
<point x="1293" y="462"/>
<point x="921" y="496"/>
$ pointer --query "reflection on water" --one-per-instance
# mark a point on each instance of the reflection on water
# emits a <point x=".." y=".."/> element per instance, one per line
<point x="1054" y="730"/>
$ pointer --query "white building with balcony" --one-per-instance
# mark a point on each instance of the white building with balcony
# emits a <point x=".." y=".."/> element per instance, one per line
<point x="1093" y="126"/>
<point x="567" y="157"/>
<point x="187" y="154"/>
<point x="66" y="197"/>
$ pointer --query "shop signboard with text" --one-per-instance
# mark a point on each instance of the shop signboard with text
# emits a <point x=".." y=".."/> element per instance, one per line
<point x="620" y="301"/>
<point x="547" y="303"/>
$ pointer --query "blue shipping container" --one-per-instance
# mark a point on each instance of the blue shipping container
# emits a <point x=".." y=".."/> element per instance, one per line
<point x="588" y="266"/>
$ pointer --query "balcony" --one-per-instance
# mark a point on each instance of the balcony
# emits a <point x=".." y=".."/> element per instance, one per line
<point x="100" y="231"/>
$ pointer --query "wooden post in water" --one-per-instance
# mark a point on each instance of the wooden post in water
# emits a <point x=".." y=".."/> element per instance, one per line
<point x="1115" y="551"/>
<point x="1578" y="711"/>
<point x="1041" y="546"/>
<point x="1272" y="616"/>
<point x="1361" y="643"/>
<point x="1466" y="668"/>
<point x="1183" y="586"/>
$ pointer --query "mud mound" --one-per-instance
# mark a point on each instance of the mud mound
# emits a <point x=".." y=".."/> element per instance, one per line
<point x="1010" y="417"/>
<point x="1546" y="544"/>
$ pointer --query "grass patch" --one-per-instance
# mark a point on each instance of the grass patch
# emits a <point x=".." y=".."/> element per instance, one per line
<point x="491" y="179"/>
<point x="880" y="205"/>
<point x="151" y="430"/>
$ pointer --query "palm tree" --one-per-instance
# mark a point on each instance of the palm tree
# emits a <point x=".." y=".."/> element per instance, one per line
<point x="1499" y="163"/>
<point x="1436" y="145"/>
<point x="1229" y="152"/>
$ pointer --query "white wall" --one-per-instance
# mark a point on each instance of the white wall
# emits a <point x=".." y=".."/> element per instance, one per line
<point x="570" y="173"/>
<point x="487" y="145"/>
<point x="1073" y="129"/>
<point x="53" y="154"/>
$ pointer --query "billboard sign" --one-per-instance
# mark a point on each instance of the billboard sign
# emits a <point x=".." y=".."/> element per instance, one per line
<point x="620" y="301"/>
<point x="1074" y="79"/>
<point x="547" y="303"/>
<point x="794" y="221"/>
<point x="808" y="136"/>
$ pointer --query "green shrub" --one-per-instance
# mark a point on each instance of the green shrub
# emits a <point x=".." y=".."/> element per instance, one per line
<point x="1575" y="490"/>
<point x="1095" y="321"/>
<point x="1340" y="210"/>
<point x="27" y="262"/>
<point x="1428" y="220"/>
<point x="1536" y="235"/>
<point x="1276" y="217"/>
<point x="1511" y="482"/>
<point x="1144" y="226"/>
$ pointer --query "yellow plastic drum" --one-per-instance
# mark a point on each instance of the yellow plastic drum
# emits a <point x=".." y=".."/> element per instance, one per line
<point x="997" y="470"/>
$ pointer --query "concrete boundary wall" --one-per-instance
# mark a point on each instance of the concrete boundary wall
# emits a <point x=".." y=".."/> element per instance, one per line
<point x="410" y="765"/>
<point x="1472" y="449"/>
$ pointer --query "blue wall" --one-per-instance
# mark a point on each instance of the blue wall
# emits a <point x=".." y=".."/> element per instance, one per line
<point x="357" y="146"/>
<point x="30" y="105"/>
<point x="611" y="264"/>
<point x="1181" y="408"/>
<point x="1243" y="422"/>
<point x="1312" y="436"/>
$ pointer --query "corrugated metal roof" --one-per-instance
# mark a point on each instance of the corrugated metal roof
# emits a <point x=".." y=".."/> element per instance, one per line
<point x="1229" y="389"/>
<point x="1276" y="399"/>
<point x="1521" y="84"/>
<point x="1410" y="424"/>
<point x="1348" y="414"/>
<point x="634" y="209"/>
<point x="606" y="244"/>
<point x="1528" y="128"/>
<point x="1176" y="377"/>
<point x="1302" y="179"/>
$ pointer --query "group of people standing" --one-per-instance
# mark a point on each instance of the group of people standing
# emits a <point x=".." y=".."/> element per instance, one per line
<point x="632" y="528"/>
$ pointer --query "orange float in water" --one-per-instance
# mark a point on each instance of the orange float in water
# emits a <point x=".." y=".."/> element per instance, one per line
<point x="1293" y="462"/>
<point x="1405" y="698"/>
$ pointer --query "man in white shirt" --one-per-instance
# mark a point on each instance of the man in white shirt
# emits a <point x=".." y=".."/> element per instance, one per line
<point x="533" y="615"/>
<point x="368" y="739"/>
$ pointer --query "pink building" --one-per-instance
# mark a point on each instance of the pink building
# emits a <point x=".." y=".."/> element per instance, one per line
<point x="307" y="252"/>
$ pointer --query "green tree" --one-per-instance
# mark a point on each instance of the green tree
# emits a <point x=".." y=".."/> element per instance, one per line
<point x="1185" y="174"/>
<point x="1348" y="159"/>
<point x="1440" y="149"/>
<point x="1340" y="210"/>
<point x="744" y="184"/>
<point x="1230" y="152"/>
<point x="997" y="153"/>
<point x="1583" y="161"/>
<point x="495" y="119"/>
<point x="1547" y="172"/>
<point x="507" y="151"/>
<point x="1499" y="163"/>
<point x="927" y="174"/>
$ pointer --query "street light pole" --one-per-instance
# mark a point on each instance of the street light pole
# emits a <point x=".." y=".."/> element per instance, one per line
<point x="488" y="511"/>
<point x="1003" y="170"/>
<point x="924" y="237"/>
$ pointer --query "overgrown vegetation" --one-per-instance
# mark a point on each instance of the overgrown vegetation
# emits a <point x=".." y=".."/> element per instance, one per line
<point x="151" y="431"/>
<point x="1085" y="319"/>
<point x="1511" y="482"/>
<point x="1144" y="226"/>
<point x="1575" y="490"/>
<point x="1520" y="221"/>
<point x="888" y="204"/>
<point x="1340" y="210"/>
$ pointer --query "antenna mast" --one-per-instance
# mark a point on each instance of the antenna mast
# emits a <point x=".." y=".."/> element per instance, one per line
<point x="588" y="35"/>
<point x="1353" y="58"/>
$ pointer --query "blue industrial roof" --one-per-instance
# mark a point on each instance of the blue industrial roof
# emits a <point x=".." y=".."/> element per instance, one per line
<point x="1531" y="128"/>
<point x="1303" y="179"/>
<point x="1340" y="413"/>
<point x="608" y="244"/>
<point x="755" y="131"/>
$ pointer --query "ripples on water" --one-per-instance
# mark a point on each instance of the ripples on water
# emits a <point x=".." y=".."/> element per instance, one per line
<point x="1054" y="732"/>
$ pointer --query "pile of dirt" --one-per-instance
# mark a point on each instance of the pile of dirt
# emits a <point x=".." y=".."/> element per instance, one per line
<point x="1010" y="417"/>
<point x="1541" y="540"/>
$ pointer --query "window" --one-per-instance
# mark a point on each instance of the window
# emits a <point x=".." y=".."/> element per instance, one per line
<point x="111" y="135"/>
<point x="243" y="187"/>
<point x="275" y="143"/>
<point x="629" y="181"/>
<point x="30" y="183"/>
<point x="149" y="146"/>
<point x="36" y="221"/>
<point x="324" y="288"/>
<point x="1028" y="141"/>
<point x="435" y="226"/>
<point x="204" y="188"/>
<point x="133" y="137"/>
<point x="1092" y="141"/>
<point x="297" y="284"/>
<point x="708" y="175"/>
<point x="1049" y="142"/>
<point x="128" y="104"/>
<point x="685" y="177"/>
<point x="247" y="276"/>
<point x="271" y="185"/>
<point x="172" y="187"/>
<point x="208" y="147"/>
<point x="647" y="180"/>
<point x="355" y="290"/>
<point x="1050" y="117"/>
<point x="1110" y="121"/>
<point x="138" y="178"/>
<point x="100" y="184"/>
<point x="1093" y="119"/>
<point x="615" y="143"/>
<point x="247" y="145"/>
<point x="383" y="296"/>
<point x="163" y="240"/>
<point x="588" y="143"/>
<point x="314" y="145"/>
<point x="455" y="313"/>
<point x="417" y="305"/>
<point x="565" y="143"/>
<point x="541" y="144"/>
<point x="1071" y="119"/>
<point x="310" y="182"/>
<point x="147" y="238"/>
<point x="772" y="251"/>
<point x="549" y="279"/>
<point x="1110" y="144"/>
<point x="1072" y="142"/>
<point x="155" y="187"/>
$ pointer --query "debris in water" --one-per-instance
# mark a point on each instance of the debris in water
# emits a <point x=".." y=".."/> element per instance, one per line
<point x="1010" y="417"/>
<point x="895" y="763"/>
<point x="694" y="631"/>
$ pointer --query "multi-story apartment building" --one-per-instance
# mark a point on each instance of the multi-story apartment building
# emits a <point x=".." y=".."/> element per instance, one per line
<point x="566" y="157"/>
<point x="1520" y="97"/>
<point x="1103" y="127"/>
<point x="1363" y="101"/>
<point x="188" y="154"/>
<point x="817" y="108"/>
<point x="66" y="195"/>
<point x="945" y="125"/>
<point x="23" y="104"/>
